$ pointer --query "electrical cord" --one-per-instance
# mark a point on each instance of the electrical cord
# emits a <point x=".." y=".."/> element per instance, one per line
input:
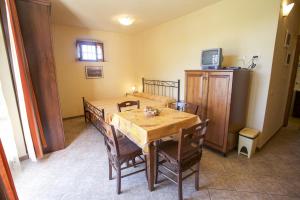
<point x="253" y="64"/>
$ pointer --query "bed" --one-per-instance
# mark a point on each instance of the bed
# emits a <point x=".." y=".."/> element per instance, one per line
<point x="156" y="93"/>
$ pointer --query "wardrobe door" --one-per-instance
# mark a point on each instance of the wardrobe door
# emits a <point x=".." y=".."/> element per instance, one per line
<point x="34" y="17"/>
<point x="218" y="105"/>
<point x="195" y="88"/>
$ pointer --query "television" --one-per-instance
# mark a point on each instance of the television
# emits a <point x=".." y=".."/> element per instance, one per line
<point x="211" y="58"/>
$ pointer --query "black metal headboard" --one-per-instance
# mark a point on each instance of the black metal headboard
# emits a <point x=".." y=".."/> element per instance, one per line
<point x="163" y="88"/>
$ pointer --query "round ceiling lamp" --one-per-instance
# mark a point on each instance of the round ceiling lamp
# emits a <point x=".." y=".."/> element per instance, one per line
<point x="126" y="21"/>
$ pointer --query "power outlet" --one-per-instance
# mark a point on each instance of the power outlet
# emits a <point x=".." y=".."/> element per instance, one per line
<point x="241" y="61"/>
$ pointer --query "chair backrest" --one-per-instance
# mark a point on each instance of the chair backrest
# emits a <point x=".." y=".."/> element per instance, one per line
<point x="200" y="113"/>
<point x="127" y="104"/>
<point x="191" y="142"/>
<point x="187" y="107"/>
<point x="110" y="138"/>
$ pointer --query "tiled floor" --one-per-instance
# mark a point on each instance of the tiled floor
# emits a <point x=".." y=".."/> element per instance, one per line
<point x="80" y="172"/>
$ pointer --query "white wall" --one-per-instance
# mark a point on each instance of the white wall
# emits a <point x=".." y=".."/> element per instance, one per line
<point x="119" y="74"/>
<point x="242" y="28"/>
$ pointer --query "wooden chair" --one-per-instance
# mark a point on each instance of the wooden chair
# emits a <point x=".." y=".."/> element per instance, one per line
<point x="187" y="107"/>
<point x="179" y="156"/>
<point x="120" y="150"/>
<point x="127" y="104"/>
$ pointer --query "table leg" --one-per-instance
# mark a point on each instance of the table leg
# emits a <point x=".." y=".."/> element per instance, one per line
<point x="151" y="166"/>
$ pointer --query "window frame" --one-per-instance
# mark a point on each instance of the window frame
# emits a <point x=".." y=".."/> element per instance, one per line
<point x="79" y="44"/>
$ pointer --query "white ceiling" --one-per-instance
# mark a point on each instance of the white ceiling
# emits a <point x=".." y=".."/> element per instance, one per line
<point x="103" y="14"/>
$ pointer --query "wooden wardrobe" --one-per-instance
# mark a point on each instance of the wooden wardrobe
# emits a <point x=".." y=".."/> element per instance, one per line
<point x="223" y="97"/>
<point x="34" y="19"/>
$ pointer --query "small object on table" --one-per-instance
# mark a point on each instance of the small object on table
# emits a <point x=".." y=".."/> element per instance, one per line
<point x="151" y="112"/>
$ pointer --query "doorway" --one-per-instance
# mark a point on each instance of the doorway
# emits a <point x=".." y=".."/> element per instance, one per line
<point x="6" y="134"/>
<point x="292" y="110"/>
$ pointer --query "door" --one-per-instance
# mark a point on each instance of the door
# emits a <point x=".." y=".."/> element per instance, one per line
<point x="34" y="17"/>
<point x="217" y="104"/>
<point x="296" y="109"/>
<point x="195" y="90"/>
<point x="292" y="82"/>
<point x="21" y="78"/>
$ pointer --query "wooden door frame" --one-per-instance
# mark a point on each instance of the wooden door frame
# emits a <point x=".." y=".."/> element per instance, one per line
<point x="36" y="129"/>
<point x="8" y="186"/>
<point x="292" y="83"/>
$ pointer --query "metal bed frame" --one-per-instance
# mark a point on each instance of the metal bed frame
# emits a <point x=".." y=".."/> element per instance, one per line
<point x="155" y="87"/>
<point x="162" y="88"/>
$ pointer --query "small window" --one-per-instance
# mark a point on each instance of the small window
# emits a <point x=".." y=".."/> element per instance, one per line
<point x="89" y="51"/>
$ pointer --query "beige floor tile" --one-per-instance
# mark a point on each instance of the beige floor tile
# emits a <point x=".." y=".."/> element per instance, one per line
<point x="221" y="181"/>
<point x="280" y="197"/>
<point x="251" y="196"/>
<point x="222" y="194"/>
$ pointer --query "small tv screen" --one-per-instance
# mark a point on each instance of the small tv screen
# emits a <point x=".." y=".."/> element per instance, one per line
<point x="211" y="58"/>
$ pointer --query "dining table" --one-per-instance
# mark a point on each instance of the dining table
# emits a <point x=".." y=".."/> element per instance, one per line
<point x="145" y="130"/>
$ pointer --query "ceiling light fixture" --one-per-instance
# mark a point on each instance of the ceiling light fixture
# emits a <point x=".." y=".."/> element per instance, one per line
<point x="286" y="9"/>
<point x="126" y="21"/>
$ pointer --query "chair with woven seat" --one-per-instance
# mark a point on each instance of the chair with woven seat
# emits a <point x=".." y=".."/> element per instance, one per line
<point x="120" y="150"/>
<point x="128" y="104"/>
<point x="176" y="157"/>
<point x="187" y="107"/>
